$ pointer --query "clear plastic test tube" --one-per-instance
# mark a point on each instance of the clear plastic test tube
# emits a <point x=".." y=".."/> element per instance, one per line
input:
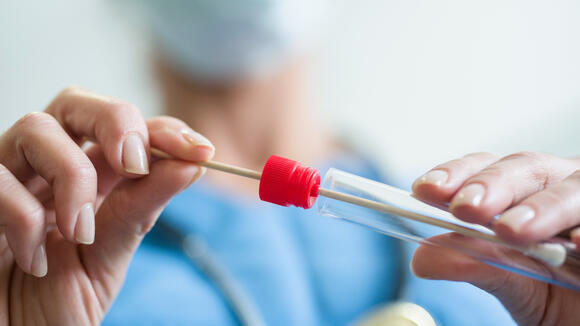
<point x="555" y="262"/>
<point x="397" y="213"/>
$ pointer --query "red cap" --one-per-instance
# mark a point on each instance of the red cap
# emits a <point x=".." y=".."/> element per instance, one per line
<point x="286" y="182"/>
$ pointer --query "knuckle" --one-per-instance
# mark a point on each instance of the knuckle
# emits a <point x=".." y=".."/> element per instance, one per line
<point x="32" y="126"/>
<point x="527" y="156"/>
<point x="30" y="218"/>
<point x="79" y="171"/>
<point x="120" y="110"/>
<point x="492" y="172"/>
<point x="466" y="162"/>
<point x="480" y="155"/>
<point x="541" y="176"/>
<point x="452" y="165"/>
<point x="537" y="165"/>
<point x="33" y="121"/>
<point x="70" y="90"/>
<point x="120" y="115"/>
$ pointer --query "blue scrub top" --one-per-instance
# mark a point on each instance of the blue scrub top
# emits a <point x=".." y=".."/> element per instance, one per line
<point x="298" y="268"/>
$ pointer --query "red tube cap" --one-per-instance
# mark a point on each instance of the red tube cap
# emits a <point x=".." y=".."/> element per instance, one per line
<point x="286" y="182"/>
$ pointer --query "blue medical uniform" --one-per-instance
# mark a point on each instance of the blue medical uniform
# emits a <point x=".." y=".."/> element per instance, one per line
<point x="297" y="268"/>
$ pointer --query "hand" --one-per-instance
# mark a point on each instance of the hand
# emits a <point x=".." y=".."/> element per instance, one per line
<point x="538" y="197"/>
<point x="50" y="189"/>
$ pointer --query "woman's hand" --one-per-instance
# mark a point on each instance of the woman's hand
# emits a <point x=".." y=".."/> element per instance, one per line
<point x="70" y="218"/>
<point x="536" y="196"/>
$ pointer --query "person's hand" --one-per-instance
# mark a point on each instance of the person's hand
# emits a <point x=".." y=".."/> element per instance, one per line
<point x="536" y="196"/>
<point x="71" y="219"/>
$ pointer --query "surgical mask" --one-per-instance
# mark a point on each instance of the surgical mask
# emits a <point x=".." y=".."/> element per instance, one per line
<point x="219" y="41"/>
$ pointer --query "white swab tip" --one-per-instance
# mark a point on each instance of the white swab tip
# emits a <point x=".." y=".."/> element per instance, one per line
<point x="553" y="254"/>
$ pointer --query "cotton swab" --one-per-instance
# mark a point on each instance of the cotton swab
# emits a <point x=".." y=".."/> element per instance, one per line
<point x="551" y="253"/>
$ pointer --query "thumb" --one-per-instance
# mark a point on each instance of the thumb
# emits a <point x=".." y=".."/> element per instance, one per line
<point x="523" y="297"/>
<point x="124" y="218"/>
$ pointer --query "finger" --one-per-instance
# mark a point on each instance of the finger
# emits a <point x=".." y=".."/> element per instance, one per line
<point x="176" y="138"/>
<point x="506" y="182"/>
<point x="127" y="214"/>
<point x="24" y="222"/>
<point x="544" y="214"/>
<point x="117" y="126"/>
<point x="37" y="144"/>
<point x="107" y="178"/>
<point x="442" y="182"/>
<point x="440" y="263"/>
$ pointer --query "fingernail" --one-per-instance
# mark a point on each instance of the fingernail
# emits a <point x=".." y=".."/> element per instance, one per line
<point x="198" y="175"/>
<point x="85" y="228"/>
<point x="470" y="195"/>
<point x="196" y="139"/>
<point x="435" y="177"/>
<point x="517" y="217"/>
<point x="134" y="155"/>
<point x="39" y="264"/>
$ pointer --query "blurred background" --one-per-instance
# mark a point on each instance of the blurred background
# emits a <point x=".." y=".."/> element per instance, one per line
<point x="413" y="83"/>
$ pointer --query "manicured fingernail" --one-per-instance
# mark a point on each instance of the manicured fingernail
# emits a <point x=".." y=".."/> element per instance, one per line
<point x="198" y="175"/>
<point x="39" y="265"/>
<point x="470" y="195"/>
<point x="516" y="217"/>
<point x="134" y="155"/>
<point x="196" y="139"/>
<point x="434" y="177"/>
<point x="85" y="228"/>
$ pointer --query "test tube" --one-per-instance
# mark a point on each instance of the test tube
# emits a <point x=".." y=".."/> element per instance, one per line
<point x="398" y="214"/>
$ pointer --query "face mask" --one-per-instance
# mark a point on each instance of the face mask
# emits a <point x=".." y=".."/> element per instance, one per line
<point x="221" y="41"/>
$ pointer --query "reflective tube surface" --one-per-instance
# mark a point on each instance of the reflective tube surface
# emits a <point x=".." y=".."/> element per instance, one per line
<point x="556" y="261"/>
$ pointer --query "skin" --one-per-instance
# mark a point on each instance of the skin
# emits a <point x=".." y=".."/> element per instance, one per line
<point x="45" y="179"/>
<point x="548" y="185"/>
<point x="48" y="175"/>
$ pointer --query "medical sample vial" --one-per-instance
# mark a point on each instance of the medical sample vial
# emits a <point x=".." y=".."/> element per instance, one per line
<point x="396" y="213"/>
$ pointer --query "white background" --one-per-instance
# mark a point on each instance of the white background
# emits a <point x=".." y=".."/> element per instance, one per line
<point x="414" y="82"/>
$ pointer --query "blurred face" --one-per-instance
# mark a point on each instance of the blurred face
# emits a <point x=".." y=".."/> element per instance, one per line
<point x="223" y="41"/>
